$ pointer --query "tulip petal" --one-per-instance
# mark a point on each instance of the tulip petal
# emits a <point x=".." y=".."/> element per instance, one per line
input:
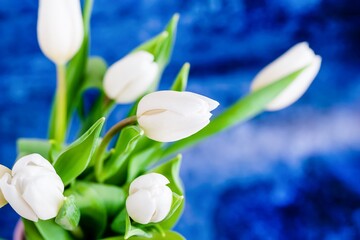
<point x="169" y="126"/>
<point x="130" y="77"/>
<point x="3" y="170"/>
<point x="181" y="103"/>
<point x="212" y="103"/>
<point x="140" y="206"/>
<point x="297" y="88"/>
<point x="60" y="29"/>
<point x="13" y="196"/>
<point x="148" y="181"/>
<point x="163" y="202"/>
<point x="294" y="59"/>
<point x="45" y="199"/>
<point x="32" y="160"/>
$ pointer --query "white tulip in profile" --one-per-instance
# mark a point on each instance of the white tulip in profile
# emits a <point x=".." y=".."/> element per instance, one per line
<point x="32" y="188"/>
<point x="168" y="116"/>
<point x="149" y="198"/>
<point x="60" y="29"/>
<point x="297" y="57"/>
<point x="130" y="77"/>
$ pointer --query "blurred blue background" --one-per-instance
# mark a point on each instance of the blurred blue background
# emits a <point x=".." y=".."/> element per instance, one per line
<point x="292" y="174"/>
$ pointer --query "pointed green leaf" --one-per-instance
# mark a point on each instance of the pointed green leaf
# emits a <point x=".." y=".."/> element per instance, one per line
<point x="69" y="214"/>
<point x="181" y="79"/>
<point x="75" y="158"/>
<point x="119" y="223"/>
<point x="48" y="229"/>
<point x="244" y="109"/>
<point x="126" y="143"/>
<point x="166" y="49"/>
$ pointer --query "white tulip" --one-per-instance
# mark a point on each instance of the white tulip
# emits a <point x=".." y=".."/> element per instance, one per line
<point x="149" y="198"/>
<point x="297" y="57"/>
<point x="60" y="29"/>
<point x="32" y="188"/>
<point x="130" y="77"/>
<point x="168" y="116"/>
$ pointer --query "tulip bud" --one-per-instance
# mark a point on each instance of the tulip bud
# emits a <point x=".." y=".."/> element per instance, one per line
<point x="32" y="188"/>
<point x="297" y="57"/>
<point x="130" y="77"/>
<point x="149" y="198"/>
<point x="60" y="29"/>
<point x="168" y="116"/>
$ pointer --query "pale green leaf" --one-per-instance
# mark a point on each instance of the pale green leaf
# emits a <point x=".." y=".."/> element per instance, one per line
<point x="69" y="214"/>
<point x="76" y="157"/>
<point x="181" y="79"/>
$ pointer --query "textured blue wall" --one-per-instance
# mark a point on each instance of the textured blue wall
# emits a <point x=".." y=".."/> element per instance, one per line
<point x="285" y="175"/>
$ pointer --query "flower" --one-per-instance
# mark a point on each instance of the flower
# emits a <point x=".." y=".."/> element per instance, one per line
<point x="167" y="116"/>
<point x="297" y="57"/>
<point x="149" y="198"/>
<point x="130" y="77"/>
<point x="33" y="188"/>
<point x="60" y="29"/>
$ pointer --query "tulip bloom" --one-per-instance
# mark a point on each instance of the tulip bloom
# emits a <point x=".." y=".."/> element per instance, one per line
<point x="60" y="29"/>
<point x="297" y="57"/>
<point x="168" y="116"/>
<point x="32" y="188"/>
<point x="149" y="198"/>
<point x="130" y="77"/>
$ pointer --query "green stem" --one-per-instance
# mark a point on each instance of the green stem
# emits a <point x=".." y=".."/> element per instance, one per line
<point x="106" y="140"/>
<point x="60" y="119"/>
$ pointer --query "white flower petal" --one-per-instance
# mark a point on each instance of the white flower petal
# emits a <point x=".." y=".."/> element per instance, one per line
<point x="294" y="59"/>
<point x="163" y="202"/>
<point x="130" y="77"/>
<point x="14" y="198"/>
<point x="3" y="170"/>
<point x="45" y="199"/>
<point x="140" y="206"/>
<point x="60" y="29"/>
<point x="147" y="181"/>
<point x="297" y="88"/>
<point x="179" y="102"/>
<point x="32" y="160"/>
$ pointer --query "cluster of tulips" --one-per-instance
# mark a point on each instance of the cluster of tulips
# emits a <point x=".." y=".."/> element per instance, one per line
<point x="51" y="184"/>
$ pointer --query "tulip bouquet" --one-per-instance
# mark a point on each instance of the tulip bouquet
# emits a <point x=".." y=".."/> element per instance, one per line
<point x="123" y="183"/>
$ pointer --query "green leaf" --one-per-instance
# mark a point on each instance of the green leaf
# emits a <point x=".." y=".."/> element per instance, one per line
<point x="171" y="171"/>
<point x="131" y="230"/>
<point x="69" y="214"/>
<point x="139" y="162"/>
<point x="48" y="229"/>
<point x="27" y="146"/>
<point x="181" y="79"/>
<point x="31" y="232"/>
<point x="75" y="158"/>
<point x="241" y="111"/>
<point x="92" y="208"/>
<point x="112" y="197"/>
<point x="119" y="223"/>
<point x="126" y="143"/>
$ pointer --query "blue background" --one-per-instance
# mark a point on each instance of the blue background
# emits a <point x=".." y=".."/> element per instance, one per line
<point x="292" y="174"/>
